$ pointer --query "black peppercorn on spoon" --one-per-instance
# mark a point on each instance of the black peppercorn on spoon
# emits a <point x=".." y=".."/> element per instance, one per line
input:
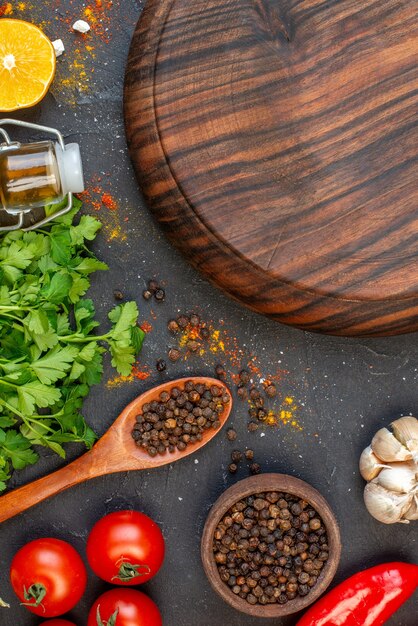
<point x="115" y="452"/>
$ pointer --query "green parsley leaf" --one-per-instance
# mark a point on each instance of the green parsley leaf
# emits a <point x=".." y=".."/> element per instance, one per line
<point x="36" y="394"/>
<point x="86" y="229"/>
<point x="58" y="289"/>
<point x="17" y="448"/>
<point x="61" y="247"/>
<point x="87" y="266"/>
<point x="79" y="287"/>
<point x="55" y="364"/>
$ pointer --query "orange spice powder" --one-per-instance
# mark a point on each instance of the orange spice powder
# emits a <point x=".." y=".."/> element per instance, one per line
<point x="136" y="374"/>
<point x="6" y="9"/>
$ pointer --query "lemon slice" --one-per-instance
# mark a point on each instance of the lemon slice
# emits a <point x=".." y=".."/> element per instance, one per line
<point x="27" y="64"/>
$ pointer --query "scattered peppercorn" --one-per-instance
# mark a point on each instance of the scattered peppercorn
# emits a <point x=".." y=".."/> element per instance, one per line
<point x="244" y="377"/>
<point x="161" y="365"/>
<point x="178" y="418"/>
<point x="242" y="392"/>
<point x="252" y="427"/>
<point x="233" y="468"/>
<point x="173" y="327"/>
<point x="271" y="390"/>
<point x="236" y="456"/>
<point x="255" y="468"/>
<point x="183" y="321"/>
<point x="260" y="551"/>
<point x="231" y="434"/>
<point x="205" y="333"/>
<point x="193" y="345"/>
<point x="147" y="295"/>
<point x="194" y="320"/>
<point x="153" y="286"/>
<point x="254" y="393"/>
<point x="159" y="295"/>
<point x="118" y="295"/>
<point x="220" y="371"/>
<point x="249" y="455"/>
<point x="174" y="354"/>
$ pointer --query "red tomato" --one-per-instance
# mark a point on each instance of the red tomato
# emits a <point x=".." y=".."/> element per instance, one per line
<point x="48" y="576"/>
<point x="125" y="548"/>
<point x="124" y="607"/>
<point x="57" y="622"/>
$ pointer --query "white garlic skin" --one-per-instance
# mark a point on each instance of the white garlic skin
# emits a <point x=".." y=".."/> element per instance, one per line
<point x="369" y="464"/>
<point x="399" y="477"/>
<point x="390" y="465"/>
<point x="388" y="448"/>
<point x="386" y="506"/>
<point x="405" y="430"/>
<point x="412" y="512"/>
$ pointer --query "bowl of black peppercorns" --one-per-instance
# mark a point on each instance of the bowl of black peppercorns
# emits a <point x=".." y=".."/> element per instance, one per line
<point x="271" y="545"/>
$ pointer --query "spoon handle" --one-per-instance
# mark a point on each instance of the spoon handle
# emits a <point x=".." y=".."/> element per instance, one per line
<point x="85" y="467"/>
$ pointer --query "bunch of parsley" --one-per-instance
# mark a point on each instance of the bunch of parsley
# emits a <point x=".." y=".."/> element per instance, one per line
<point x="50" y="354"/>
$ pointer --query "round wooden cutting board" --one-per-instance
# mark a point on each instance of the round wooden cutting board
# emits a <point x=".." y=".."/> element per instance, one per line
<point x="275" y="140"/>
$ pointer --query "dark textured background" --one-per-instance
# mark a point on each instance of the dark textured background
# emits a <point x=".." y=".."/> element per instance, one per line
<point x="346" y="389"/>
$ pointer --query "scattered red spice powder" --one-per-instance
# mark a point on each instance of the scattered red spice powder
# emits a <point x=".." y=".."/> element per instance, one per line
<point x="98" y="196"/>
<point x="140" y="374"/>
<point x="109" y="202"/>
<point x="99" y="18"/>
<point x="146" y="327"/>
<point x="137" y="373"/>
<point x="6" y="9"/>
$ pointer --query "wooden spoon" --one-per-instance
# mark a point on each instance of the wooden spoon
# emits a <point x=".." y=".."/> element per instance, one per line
<point x="115" y="452"/>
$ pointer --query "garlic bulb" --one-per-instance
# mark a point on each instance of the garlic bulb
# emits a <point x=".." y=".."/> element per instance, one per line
<point x="390" y="465"/>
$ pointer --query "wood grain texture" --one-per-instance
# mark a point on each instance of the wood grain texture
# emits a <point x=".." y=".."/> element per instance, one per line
<point x="255" y="485"/>
<point x="276" y="143"/>
<point x="115" y="452"/>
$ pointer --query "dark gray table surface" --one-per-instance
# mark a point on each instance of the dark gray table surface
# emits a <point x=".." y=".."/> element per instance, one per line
<point x="345" y="388"/>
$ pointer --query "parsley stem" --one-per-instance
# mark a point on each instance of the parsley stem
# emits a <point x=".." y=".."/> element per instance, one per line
<point x="25" y="419"/>
<point x="79" y="339"/>
<point x="6" y="382"/>
<point x="11" y="317"/>
<point x="15" y="308"/>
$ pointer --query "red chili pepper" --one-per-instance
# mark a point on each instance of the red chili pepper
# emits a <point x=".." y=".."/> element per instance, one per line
<point x="368" y="598"/>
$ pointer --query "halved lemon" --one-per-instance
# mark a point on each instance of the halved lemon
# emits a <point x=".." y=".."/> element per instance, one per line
<point x="27" y="64"/>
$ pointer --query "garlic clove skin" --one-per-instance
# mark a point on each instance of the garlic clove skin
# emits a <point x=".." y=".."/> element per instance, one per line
<point x="369" y="464"/>
<point x="399" y="477"/>
<point x="405" y="430"/>
<point x="412" y="512"/>
<point x="386" y="506"/>
<point x="387" y="447"/>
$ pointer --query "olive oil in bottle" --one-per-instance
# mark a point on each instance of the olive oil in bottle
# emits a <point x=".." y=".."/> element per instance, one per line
<point x="30" y="176"/>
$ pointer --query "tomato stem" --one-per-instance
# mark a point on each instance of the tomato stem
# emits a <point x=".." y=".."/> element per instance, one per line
<point x="36" y="592"/>
<point x="110" y="622"/>
<point x="129" y="571"/>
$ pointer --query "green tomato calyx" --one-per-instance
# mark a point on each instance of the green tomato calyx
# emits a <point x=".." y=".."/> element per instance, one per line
<point x="128" y="571"/>
<point x="34" y="595"/>
<point x="110" y="622"/>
